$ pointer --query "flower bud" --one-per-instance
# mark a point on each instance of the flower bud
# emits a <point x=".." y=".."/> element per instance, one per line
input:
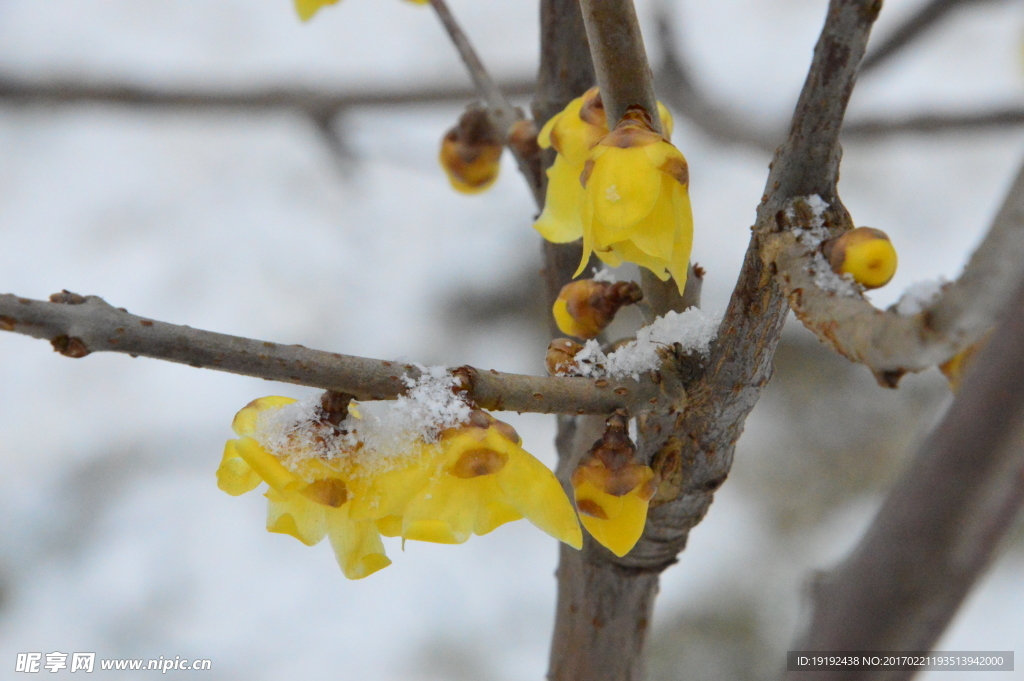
<point x="561" y="357"/>
<point x="864" y="253"/>
<point x="585" y="307"/>
<point x="953" y="368"/>
<point x="471" y="152"/>
<point x="612" y="490"/>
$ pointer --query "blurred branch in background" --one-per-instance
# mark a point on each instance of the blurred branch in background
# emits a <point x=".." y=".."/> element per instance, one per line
<point x="77" y="326"/>
<point x="678" y="86"/>
<point x="941" y="523"/>
<point x="928" y="16"/>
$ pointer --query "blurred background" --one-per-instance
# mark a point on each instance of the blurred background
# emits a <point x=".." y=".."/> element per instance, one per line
<point x="335" y="228"/>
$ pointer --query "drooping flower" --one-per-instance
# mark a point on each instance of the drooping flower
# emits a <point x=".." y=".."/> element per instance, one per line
<point x="471" y="153"/>
<point x="308" y="500"/>
<point x="573" y="133"/>
<point x="323" y="481"/>
<point x="613" y="490"/>
<point x="636" y="206"/>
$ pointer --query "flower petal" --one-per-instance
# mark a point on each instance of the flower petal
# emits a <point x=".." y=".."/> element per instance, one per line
<point x="290" y="513"/>
<point x="356" y="544"/>
<point x="561" y="221"/>
<point x="622" y="188"/>
<point x="234" y="475"/>
<point x="266" y="465"/>
<point x="625" y="517"/>
<point x="534" y="491"/>
<point x="245" y="420"/>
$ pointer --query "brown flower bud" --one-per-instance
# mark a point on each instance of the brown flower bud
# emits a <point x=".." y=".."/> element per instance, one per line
<point x="471" y="152"/>
<point x="561" y="357"/>
<point x="585" y="307"/>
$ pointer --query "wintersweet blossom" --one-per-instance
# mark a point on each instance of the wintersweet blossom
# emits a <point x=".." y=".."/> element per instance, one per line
<point x="613" y="489"/>
<point x="572" y="133"/>
<point x="613" y="504"/>
<point x="307" y="8"/>
<point x="636" y="206"/>
<point x="324" y="481"/>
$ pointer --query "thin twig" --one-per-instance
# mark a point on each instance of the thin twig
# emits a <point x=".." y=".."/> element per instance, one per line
<point x="914" y="27"/>
<point x="499" y="110"/>
<point x="941" y="523"/>
<point x="79" y="325"/>
<point x="889" y="343"/>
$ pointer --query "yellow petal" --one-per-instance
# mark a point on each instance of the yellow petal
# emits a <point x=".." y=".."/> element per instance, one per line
<point x="625" y="517"/>
<point x="667" y="123"/>
<point x="622" y="187"/>
<point x="493" y="515"/>
<point x="356" y="544"/>
<point x="307" y="8"/>
<point x="655" y="235"/>
<point x="561" y="221"/>
<point x="566" y="323"/>
<point x="380" y="494"/>
<point x="444" y="512"/>
<point x="291" y="513"/>
<point x="390" y="525"/>
<point x="266" y="465"/>
<point x="544" y="136"/>
<point x="234" y="475"/>
<point x="534" y="491"/>
<point x="245" y="420"/>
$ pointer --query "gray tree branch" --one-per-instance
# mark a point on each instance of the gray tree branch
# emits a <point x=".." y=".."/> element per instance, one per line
<point x="79" y="325"/>
<point x="314" y="103"/>
<point x="941" y="523"/>
<point x="892" y="344"/>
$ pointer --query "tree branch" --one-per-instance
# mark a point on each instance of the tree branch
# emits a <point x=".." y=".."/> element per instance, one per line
<point x="941" y="523"/>
<point x="889" y="343"/>
<point x="77" y="326"/>
<point x="620" y="61"/>
<point x="915" y="26"/>
<point x="314" y="103"/>
<point x="932" y="123"/>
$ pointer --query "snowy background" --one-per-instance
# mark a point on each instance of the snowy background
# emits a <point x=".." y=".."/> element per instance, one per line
<point x="114" y="536"/>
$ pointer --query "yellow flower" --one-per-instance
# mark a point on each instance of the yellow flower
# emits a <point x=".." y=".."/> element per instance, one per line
<point x="637" y="205"/>
<point x="307" y="503"/>
<point x="307" y="8"/>
<point x="474" y="479"/>
<point x="613" y="503"/>
<point x="471" y="153"/>
<point x="483" y="480"/>
<point x="573" y="133"/>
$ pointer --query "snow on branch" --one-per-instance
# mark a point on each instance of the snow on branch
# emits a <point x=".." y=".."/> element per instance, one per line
<point x="893" y="342"/>
<point x="79" y="325"/>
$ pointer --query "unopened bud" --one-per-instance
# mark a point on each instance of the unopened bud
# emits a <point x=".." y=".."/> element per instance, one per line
<point x="471" y="152"/>
<point x="864" y="253"/>
<point x="561" y="357"/>
<point x="585" y="307"/>
<point x="613" y="490"/>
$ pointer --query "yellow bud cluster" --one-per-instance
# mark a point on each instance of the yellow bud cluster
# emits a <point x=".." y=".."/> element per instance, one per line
<point x="624" y="191"/>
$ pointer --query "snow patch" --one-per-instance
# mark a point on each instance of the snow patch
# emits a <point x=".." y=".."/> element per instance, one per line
<point x="919" y="296"/>
<point x="382" y="434"/>
<point x="693" y="329"/>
